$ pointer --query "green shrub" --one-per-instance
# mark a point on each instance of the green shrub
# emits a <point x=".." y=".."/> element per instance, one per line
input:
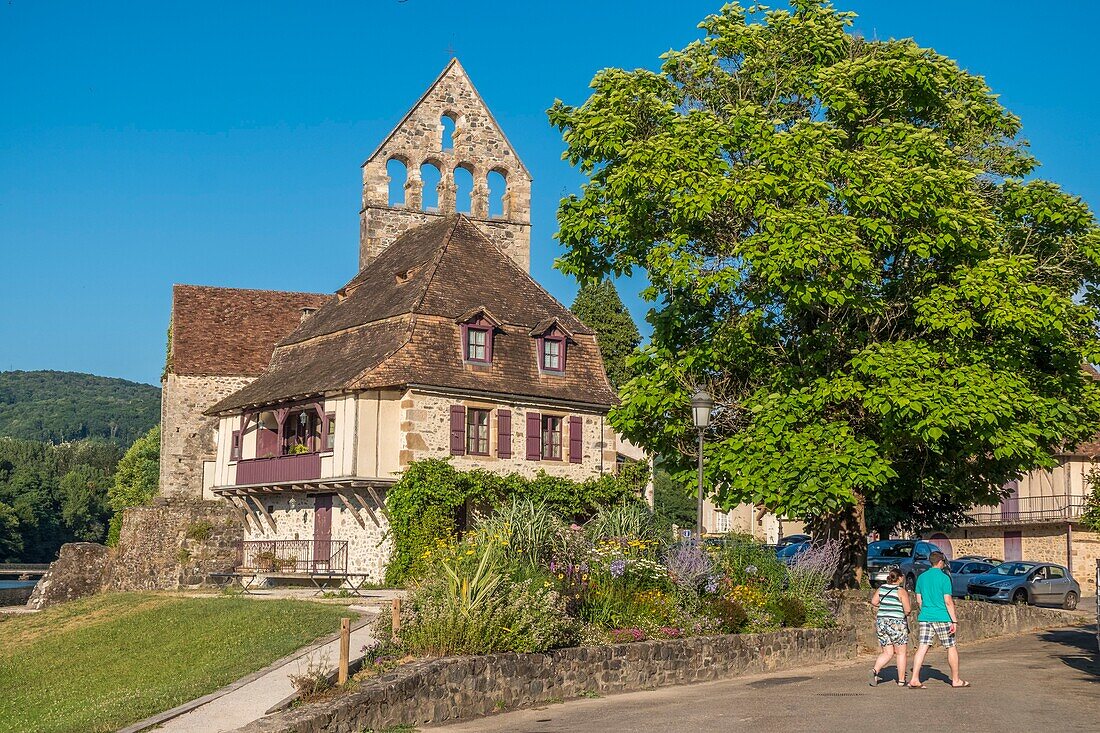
<point x="632" y="519"/>
<point x="790" y="610"/>
<point x="743" y="560"/>
<point x="527" y="531"/>
<point x="200" y="531"/>
<point x="730" y="615"/>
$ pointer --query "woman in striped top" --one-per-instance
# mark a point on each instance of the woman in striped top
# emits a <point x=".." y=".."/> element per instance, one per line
<point x="891" y="625"/>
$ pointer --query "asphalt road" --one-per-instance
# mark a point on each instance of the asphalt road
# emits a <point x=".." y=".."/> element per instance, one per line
<point x="1045" y="681"/>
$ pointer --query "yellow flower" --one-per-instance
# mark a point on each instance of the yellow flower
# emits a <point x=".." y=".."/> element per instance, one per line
<point x="561" y="576"/>
<point x="469" y="552"/>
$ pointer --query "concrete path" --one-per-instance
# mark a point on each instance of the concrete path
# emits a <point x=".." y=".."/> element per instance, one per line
<point x="250" y="701"/>
<point x="1045" y="681"/>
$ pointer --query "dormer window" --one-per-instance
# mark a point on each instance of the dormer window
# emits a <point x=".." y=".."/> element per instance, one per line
<point x="478" y="328"/>
<point x="552" y="341"/>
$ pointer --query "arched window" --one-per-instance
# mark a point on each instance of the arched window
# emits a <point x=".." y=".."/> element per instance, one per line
<point x="449" y="125"/>
<point x="430" y="175"/>
<point x="498" y="186"/>
<point x="398" y="175"/>
<point x="464" y="190"/>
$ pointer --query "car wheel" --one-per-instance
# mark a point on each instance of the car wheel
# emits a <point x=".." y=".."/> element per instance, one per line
<point x="910" y="583"/>
<point x="1020" y="597"/>
<point x="1071" y="601"/>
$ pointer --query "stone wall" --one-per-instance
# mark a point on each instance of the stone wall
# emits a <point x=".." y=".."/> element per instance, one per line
<point x="426" y="425"/>
<point x="1039" y="542"/>
<point x="478" y="146"/>
<point x="81" y="569"/>
<point x="187" y="437"/>
<point x="175" y="543"/>
<point x="977" y="619"/>
<point x="446" y="690"/>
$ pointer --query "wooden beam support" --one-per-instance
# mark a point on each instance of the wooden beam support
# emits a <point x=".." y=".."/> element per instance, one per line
<point x="260" y="505"/>
<point x="247" y="509"/>
<point x="352" y="509"/>
<point x="363" y="503"/>
<point x="378" y="500"/>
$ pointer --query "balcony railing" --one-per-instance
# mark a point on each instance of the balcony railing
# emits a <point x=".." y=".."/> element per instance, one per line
<point x="295" y="556"/>
<point x="1030" y="510"/>
<point x="282" y="468"/>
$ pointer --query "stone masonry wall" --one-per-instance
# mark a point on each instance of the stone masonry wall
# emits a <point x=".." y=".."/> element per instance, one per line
<point x="81" y="569"/>
<point x="977" y="619"/>
<point x="175" y="543"/>
<point x="426" y="425"/>
<point x="1040" y="542"/>
<point x="187" y="436"/>
<point x="478" y="146"/>
<point x="440" y="691"/>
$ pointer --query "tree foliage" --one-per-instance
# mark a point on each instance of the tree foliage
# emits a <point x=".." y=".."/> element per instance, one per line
<point x="843" y="249"/>
<point x="137" y="478"/>
<point x="52" y="494"/>
<point x="59" y="407"/>
<point x="599" y="307"/>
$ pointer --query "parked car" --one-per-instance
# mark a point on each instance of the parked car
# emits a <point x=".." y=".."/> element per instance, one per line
<point x="982" y="558"/>
<point x="790" y="553"/>
<point x="1027" y="582"/>
<point x="792" y="539"/>
<point x="885" y="554"/>
<point x="963" y="570"/>
<point x="913" y="566"/>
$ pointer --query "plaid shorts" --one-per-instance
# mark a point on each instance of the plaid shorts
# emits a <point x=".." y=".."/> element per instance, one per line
<point x="932" y="630"/>
<point x="892" y="631"/>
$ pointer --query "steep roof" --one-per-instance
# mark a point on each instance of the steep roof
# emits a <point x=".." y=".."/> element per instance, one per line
<point x="395" y="324"/>
<point x="231" y="331"/>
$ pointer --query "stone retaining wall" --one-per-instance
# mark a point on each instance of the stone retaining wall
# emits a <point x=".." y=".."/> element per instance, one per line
<point x="450" y="689"/>
<point x="81" y="569"/>
<point x="977" y="619"/>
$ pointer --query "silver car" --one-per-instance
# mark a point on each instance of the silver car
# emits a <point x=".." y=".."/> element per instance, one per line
<point x="963" y="570"/>
<point x="1036" y="583"/>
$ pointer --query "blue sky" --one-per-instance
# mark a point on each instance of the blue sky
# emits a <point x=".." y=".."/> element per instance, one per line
<point x="145" y="144"/>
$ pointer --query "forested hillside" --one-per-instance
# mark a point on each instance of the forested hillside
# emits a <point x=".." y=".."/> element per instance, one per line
<point x="58" y="407"/>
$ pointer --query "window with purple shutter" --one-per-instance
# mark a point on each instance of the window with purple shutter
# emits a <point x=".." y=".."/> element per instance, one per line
<point x="235" y="446"/>
<point x="576" y="439"/>
<point x="534" y="436"/>
<point x="458" y="430"/>
<point x="504" y="434"/>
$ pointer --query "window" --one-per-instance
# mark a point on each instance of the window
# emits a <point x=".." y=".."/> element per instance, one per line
<point x="430" y="178"/>
<point x="330" y="434"/>
<point x="477" y="343"/>
<point x="235" y="446"/>
<point x="449" y="126"/>
<point x="552" y="356"/>
<point x="464" y="189"/>
<point x="1056" y="573"/>
<point x="398" y="174"/>
<point x="551" y="438"/>
<point x="477" y="432"/>
<point x="497" y="183"/>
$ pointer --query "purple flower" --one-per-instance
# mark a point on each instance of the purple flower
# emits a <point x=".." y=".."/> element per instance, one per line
<point x="617" y="567"/>
<point x="712" y="584"/>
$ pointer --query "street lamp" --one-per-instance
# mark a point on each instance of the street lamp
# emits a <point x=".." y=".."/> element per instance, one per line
<point x="701" y="406"/>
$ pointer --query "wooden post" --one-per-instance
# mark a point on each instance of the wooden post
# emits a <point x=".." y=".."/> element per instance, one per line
<point x="345" y="649"/>
<point x="396" y="617"/>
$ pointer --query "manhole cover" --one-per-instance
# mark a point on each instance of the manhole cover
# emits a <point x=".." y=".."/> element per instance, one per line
<point x="840" y="694"/>
<point x="776" y="681"/>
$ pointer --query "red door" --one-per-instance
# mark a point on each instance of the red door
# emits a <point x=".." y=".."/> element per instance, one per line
<point x="943" y="542"/>
<point x="1014" y="546"/>
<point x="322" y="532"/>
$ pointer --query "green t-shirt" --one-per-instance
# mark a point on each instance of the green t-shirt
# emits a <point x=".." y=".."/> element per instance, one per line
<point x="932" y="586"/>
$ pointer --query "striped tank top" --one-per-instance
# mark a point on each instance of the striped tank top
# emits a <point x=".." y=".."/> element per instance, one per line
<point x="889" y="602"/>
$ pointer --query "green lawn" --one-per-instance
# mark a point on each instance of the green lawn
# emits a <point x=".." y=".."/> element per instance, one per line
<point x="104" y="662"/>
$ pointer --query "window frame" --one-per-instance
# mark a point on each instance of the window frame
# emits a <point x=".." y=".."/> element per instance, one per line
<point x="544" y="342"/>
<point x="546" y="437"/>
<point x="328" y="437"/>
<point x="468" y="330"/>
<point x="474" y="441"/>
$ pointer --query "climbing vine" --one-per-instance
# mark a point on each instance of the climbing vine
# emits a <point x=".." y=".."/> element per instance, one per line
<point x="431" y="501"/>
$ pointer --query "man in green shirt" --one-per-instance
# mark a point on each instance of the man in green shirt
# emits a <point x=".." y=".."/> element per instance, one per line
<point x="937" y="619"/>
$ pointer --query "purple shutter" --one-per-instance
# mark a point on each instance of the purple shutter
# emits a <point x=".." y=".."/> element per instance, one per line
<point x="458" y="430"/>
<point x="504" y="434"/>
<point x="534" y="436"/>
<point x="576" y="439"/>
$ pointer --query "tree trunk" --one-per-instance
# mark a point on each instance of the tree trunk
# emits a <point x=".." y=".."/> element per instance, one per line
<point x="849" y="528"/>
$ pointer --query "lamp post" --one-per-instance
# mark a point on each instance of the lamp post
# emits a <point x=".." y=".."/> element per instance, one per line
<point x="701" y="406"/>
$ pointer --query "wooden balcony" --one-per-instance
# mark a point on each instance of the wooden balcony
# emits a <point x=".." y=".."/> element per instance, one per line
<point x="1029" y="510"/>
<point x="300" y="467"/>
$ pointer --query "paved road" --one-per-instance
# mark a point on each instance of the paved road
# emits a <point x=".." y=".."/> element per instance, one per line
<point x="1046" y="681"/>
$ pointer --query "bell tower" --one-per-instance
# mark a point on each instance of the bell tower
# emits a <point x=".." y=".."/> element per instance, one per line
<point x="447" y="155"/>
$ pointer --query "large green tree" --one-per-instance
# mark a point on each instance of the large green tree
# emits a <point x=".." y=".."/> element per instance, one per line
<point x="137" y="479"/>
<point x="599" y="307"/>
<point x="843" y="249"/>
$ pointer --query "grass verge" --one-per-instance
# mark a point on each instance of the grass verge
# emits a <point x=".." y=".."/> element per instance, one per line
<point x="104" y="662"/>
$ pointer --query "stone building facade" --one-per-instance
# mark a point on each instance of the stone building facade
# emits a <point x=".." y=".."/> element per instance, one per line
<point x="298" y="411"/>
<point x="423" y="142"/>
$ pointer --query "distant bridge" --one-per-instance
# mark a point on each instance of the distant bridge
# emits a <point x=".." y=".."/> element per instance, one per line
<point x="21" y="569"/>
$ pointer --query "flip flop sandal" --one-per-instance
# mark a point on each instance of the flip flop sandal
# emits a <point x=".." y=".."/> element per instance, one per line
<point x="874" y="679"/>
<point x="921" y="686"/>
<point x="959" y="687"/>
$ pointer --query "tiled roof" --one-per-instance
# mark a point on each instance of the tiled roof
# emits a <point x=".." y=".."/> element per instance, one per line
<point x="231" y="331"/>
<point x="394" y="325"/>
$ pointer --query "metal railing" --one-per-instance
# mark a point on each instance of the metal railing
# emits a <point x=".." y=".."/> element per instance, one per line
<point x="294" y="556"/>
<point x="1030" y="509"/>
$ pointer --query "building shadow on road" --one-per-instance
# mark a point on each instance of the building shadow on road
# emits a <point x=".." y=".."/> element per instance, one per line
<point x="1081" y="648"/>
